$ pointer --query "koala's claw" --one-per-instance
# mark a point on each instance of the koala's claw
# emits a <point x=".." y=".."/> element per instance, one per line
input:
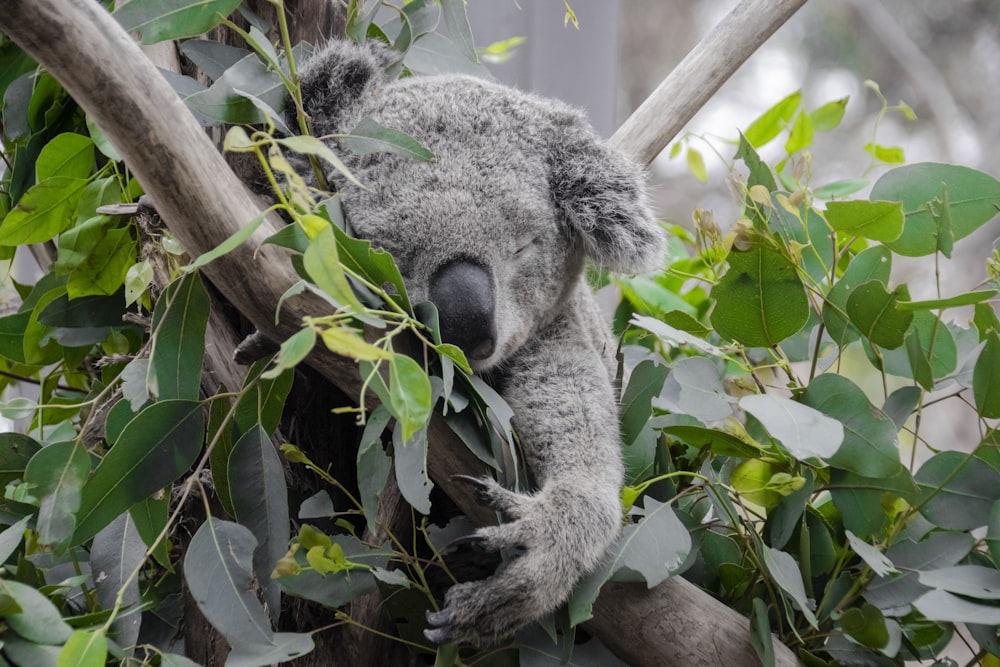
<point x="475" y="540"/>
<point x="439" y="630"/>
<point x="492" y="494"/>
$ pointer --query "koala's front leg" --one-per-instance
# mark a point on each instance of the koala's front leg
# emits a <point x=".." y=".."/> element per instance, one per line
<point x="565" y="416"/>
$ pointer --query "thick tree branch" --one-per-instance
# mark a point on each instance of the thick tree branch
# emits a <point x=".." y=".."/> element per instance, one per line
<point x="203" y="203"/>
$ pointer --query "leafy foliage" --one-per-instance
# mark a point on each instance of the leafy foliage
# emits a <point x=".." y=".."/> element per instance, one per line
<point x="759" y="464"/>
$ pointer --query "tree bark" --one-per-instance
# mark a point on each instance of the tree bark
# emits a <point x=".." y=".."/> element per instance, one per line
<point x="203" y="202"/>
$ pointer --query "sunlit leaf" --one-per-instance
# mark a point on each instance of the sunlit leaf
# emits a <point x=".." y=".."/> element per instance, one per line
<point x="773" y="121"/>
<point x="875" y="220"/>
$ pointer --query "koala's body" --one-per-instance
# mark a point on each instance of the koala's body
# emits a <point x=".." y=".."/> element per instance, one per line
<point x="496" y="231"/>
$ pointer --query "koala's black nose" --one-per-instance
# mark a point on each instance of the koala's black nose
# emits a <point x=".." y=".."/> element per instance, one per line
<point x="463" y="294"/>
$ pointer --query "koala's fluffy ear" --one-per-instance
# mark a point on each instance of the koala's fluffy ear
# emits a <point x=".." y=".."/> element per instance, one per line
<point x="602" y="195"/>
<point x="336" y="80"/>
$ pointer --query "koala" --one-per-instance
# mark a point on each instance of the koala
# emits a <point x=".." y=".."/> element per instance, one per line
<point x="496" y="232"/>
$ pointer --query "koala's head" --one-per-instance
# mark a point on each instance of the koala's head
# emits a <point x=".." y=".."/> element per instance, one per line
<point x="496" y="229"/>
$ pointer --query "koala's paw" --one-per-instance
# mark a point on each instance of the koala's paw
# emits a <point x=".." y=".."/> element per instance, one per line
<point x="478" y="613"/>
<point x="491" y="493"/>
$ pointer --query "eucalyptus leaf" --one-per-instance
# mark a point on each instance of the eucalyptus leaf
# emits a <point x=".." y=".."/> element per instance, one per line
<point x="876" y="313"/>
<point x="974" y="199"/>
<point x="58" y="473"/>
<point x="260" y="500"/>
<point x="760" y="300"/>
<point x="869" y="446"/>
<point x="974" y="581"/>
<point x="872" y="264"/>
<point x="374" y="465"/>
<point x="644" y="383"/>
<point x="410" y="458"/>
<point x="179" y="323"/>
<point x="957" y="490"/>
<point x="804" y="431"/>
<point x="939" y="605"/>
<point x="369" y="137"/>
<point x="875" y="220"/>
<point x="117" y="552"/>
<point x="33" y="616"/>
<point x="218" y="570"/>
<point x="160" y="20"/>
<point x="786" y="574"/>
<point x="153" y="450"/>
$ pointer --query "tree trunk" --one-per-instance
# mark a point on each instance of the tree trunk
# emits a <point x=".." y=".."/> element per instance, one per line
<point x="203" y="203"/>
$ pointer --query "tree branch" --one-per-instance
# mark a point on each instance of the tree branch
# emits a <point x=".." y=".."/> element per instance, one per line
<point x="202" y="202"/>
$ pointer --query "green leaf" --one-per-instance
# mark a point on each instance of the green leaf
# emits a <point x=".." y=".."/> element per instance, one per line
<point x="179" y="323"/>
<point x="967" y="299"/>
<point x="153" y="450"/>
<point x="804" y="431"/>
<point x="760" y="300"/>
<point x="456" y="20"/>
<point x="370" y="137"/>
<point x="212" y="58"/>
<point x="801" y="134"/>
<point x="348" y="342"/>
<point x="887" y="154"/>
<point x="875" y="312"/>
<point x="84" y="648"/>
<point x="410" y="459"/>
<point x="321" y="261"/>
<point x="375" y="264"/>
<point x="875" y="220"/>
<point x="828" y="116"/>
<point x="32" y="615"/>
<point x="873" y="558"/>
<point x="937" y="348"/>
<point x="957" y="490"/>
<point x="751" y="479"/>
<point x="149" y="517"/>
<point x="160" y="20"/>
<point x="773" y="121"/>
<point x="58" y="473"/>
<point x="116" y="553"/>
<point x="409" y="394"/>
<point x="46" y="209"/>
<point x="696" y="163"/>
<point x="973" y="197"/>
<point x="265" y="402"/>
<point x="11" y="538"/>
<point x="260" y="501"/>
<point x="296" y="348"/>
<point x="869" y="448"/>
<point x="992" y="532"/>
<point x="16" y="450"/>
<point x="986" y="378"/>
<point x="719" y="442"/>
<point x="920" y="367"/>
<point x="760" y="633"/>
<point x="217" y="567"/>
<point x="649" y="552"/>
<point x="103" y="269"/>
<point x="938" y="605"/>
<point x="69" y="155"/>
<point x="373" y="465"/>
<point x="760" y="174"/>
<point x="839" y="189"/>
<point x="976" y="581"/>
<point x="644" y="384"/>
<point x="314" y="146"/>
<point x="866" y="625"/>
<point x="694" y="387"/>
<point x="235" y="240"/>
<point x="221" y="101"/>
<point x="786" y="574"/>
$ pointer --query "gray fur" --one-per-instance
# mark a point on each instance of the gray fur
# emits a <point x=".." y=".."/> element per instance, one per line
<point x="522" y="187"/>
